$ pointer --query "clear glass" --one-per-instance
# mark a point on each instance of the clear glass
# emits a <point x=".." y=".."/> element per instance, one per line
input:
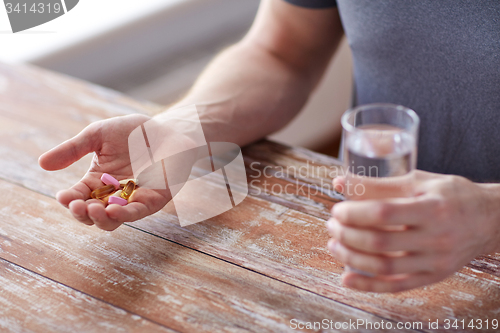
<point x="380" y="151"/>
<point x="380" y="154"/>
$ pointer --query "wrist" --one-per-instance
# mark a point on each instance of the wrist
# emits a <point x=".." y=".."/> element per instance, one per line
<point x="491" y="196"/>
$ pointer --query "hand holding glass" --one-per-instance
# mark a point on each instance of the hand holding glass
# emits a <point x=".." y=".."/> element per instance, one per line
<point x="380" y="151"/>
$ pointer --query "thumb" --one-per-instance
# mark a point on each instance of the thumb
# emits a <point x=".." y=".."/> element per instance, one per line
<point x="339" y="183"/>
<point x="70" y="151"/>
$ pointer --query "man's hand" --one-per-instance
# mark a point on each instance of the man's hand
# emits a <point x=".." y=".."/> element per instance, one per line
<point x="109" y="140"/>
<point x="450" y="221"/>
<point x="249" y="91"/>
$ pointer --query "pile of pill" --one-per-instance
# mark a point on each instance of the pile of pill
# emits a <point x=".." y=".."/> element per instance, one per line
<point x="114" y="191"/>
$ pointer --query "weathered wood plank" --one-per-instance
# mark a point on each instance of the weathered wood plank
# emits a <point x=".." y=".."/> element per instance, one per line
<point x="489" y="264"/>
<point x="159" y="280"/>
<point x="307" y="165"/>
<point x="300" y="179"/>
<point x="30" y="302"/>
<point x="288" y="187"/>
<point x="290" y="246"/>
<point x="279" y="240"/>
<point x="35" y="88"/>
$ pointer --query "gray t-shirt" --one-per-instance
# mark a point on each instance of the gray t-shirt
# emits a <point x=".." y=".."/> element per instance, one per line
<point x="440" y="58"/>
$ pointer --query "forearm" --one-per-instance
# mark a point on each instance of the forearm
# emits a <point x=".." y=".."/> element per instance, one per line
<point x="247" y="93"/>
<point x="258" y="85"/>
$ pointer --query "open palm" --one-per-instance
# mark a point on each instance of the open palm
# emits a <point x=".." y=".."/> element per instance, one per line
<point x="108" y="139"/>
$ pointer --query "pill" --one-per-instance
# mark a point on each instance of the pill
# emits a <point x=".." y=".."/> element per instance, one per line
<point x="127" y="190"/>
<point x="125" y="181"/>
<point x="116" y="199"/>
<point x="110" y="180"/>
<point x="102" y="192"/>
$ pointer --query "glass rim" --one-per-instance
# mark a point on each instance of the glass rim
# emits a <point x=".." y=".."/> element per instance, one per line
<point x="350" y="128"/>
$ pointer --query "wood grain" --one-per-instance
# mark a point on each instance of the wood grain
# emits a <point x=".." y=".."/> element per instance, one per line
<point x="291" y="180"/>
<point x="159" y="280"/>
<point x="30" y="302"/>
<point x="489" y="264"/>
<point x="281" y="235"/>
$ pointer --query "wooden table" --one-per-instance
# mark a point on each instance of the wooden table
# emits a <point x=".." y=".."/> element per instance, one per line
<point x="261" y="267"/>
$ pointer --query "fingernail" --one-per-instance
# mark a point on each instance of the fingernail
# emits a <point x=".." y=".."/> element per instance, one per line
<point x="334" y="228"/>
<point x="332" y="246"/>
<point x="338" y="211"/>
<point x="349" y="282"/>
<point x="330" y="224"/>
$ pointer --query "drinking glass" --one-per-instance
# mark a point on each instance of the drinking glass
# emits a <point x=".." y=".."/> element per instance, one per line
<point x="380" y="151"/>
<point x="380" y="154"/>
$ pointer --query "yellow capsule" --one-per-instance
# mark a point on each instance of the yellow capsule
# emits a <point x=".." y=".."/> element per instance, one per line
<point x="127" y="190"/>
<point x="117" y="194"/>
<point x="102" y="192"/>
<point x="125" y="182"/>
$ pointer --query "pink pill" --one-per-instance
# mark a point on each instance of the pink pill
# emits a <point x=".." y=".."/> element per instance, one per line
<point x="117" y="200"/>
<point x="110" y="180"/>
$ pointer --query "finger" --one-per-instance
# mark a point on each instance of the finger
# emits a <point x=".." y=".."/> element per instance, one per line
<point x="415" y="211"/>
<point x="377" y="241"/>
<point x="381" y="265"/>
<point x="72" y="150"/>
<point x="79" y="191"/>
<point x="78" y="209"/>
<point x="132" y="212"/>
<point x="390" y="284"/>
<point x="141" y="204"/>
<point x="339" y="184"/>
<point x="100" y="218"/>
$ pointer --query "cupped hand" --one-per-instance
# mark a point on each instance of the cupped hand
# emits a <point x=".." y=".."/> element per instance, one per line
<point x="108" y="139"/>
<point x="450" y="221"/>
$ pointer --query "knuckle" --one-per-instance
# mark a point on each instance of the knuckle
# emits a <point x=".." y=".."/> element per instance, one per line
<point x="450" y="180"/>
<point x="453" y="183"/>
<point x="458" y="181"/>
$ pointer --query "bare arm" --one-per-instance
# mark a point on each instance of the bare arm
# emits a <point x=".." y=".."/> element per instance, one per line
<point x="258" y="85"/>
<point x="250" y="90"/>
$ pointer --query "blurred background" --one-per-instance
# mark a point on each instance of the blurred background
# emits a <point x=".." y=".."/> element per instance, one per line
<point x="154" y="50"/>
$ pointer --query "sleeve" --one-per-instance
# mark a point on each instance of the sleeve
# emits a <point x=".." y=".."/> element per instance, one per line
<point x="314" y="3"/>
